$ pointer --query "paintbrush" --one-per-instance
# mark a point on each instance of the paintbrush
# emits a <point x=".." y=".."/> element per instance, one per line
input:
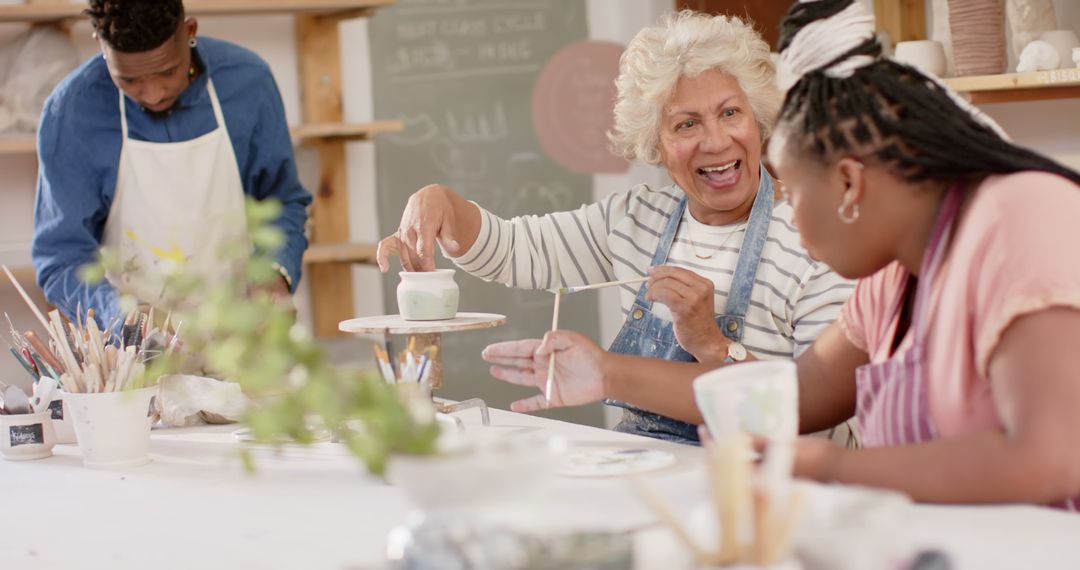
<point x="44" y="352"/>
<point x="29" y="303"/>
<point x="551" y="361"/>
<point x="566" y="290"/>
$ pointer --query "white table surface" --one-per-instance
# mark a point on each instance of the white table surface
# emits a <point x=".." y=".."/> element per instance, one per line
<point x="194" y="507"/>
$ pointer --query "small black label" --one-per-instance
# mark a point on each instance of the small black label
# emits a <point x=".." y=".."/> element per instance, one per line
<point x="56" y="408"/>
<point x="26" y="435"/>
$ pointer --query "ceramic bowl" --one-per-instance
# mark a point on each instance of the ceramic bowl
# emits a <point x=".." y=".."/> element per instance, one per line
<point x="27" y="436"/>
<point x="927" y="55"/>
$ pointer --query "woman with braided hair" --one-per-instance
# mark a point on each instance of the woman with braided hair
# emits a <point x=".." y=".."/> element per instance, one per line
<point x="957" y="350"/>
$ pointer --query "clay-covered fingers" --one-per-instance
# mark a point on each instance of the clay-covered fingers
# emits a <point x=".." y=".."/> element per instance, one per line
<point x="390" y="246"/>
<point x="428" y="218"/>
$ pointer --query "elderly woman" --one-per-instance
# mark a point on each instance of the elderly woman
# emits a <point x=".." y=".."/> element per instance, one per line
<point x="727" y="278"/>
<point x="957" y="351"/>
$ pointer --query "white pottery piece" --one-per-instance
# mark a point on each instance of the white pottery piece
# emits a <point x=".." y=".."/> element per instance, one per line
<point x="1038" y="56"/>
<point x="1028" y="19"/>
<point x="1064" y="41"/>
<point x="427" y="295"/>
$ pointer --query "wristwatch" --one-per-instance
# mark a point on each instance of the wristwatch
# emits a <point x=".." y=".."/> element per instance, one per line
<point x="736" y="352"/>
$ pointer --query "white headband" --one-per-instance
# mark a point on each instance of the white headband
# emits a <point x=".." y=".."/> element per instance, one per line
<point x="820" y="42"/>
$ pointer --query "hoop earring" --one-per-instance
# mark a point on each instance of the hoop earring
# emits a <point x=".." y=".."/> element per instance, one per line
<point x="193" y="42"/>
<point x="844" y="217"/>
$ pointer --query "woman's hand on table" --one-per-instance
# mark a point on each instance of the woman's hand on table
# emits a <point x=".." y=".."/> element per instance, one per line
<point x="579" y="373"/>
<point x="429" y="216"/>
<point x="815" y="458"/>
<point x="690" y="297"/>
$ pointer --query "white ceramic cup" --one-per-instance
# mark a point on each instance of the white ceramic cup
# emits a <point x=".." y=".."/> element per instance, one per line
<point x="61" y="420"/>
<point x="113" y="428"/>
<point x="927" y="55"/>
<point x="1076" y="56"/>
<point x="427" y="295"/>
<point x="759" y="398"/>
<point x="1064" y="41"/>
<point x="26" y="436"/>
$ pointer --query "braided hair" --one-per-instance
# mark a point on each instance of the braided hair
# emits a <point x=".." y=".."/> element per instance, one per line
<point x="845" y="99"/>
<point x="133" y="26"/>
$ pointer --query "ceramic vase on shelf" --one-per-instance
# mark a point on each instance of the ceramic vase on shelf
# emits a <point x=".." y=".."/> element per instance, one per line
<point x="977" y="30"/>
<point x="1027" y="19"/>
<point x="427" y="295"/>
<point x="1064" y="41"/>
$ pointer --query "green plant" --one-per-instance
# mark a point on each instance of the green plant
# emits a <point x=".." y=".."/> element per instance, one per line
<point x="245" y="335"/>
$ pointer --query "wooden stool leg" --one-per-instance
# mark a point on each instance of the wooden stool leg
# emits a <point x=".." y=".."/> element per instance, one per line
<point x="423" y="341"/>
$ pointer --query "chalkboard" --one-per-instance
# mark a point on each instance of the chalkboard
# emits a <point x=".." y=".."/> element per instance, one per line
<point x="461" y="75"/>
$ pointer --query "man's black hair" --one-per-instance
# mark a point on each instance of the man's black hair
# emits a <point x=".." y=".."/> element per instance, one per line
<point x="133" y="26"/>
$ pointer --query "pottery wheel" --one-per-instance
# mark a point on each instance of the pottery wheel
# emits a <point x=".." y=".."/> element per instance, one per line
<point x="394" y="324"/>
<point x="425" y="333"/>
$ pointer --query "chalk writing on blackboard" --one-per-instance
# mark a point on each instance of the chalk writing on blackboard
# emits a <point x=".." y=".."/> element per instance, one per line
<point x="26" y="435"/>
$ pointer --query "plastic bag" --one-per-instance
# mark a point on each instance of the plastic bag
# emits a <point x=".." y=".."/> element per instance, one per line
<point x="193" y="400"/>
<point x="31" y="66"/>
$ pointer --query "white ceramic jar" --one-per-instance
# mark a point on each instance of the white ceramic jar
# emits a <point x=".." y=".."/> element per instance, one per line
<point x="27" y="436"/>
<point x="427" y="295"/>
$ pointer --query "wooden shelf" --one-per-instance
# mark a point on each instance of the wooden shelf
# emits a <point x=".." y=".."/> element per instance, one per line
<point x="18" y="144"/>
<point x="341" y="253"/>
<point x="303" y="134"/>
<point x="353" y="131"/>
<point x="53" y="12"/>
<point x="1015" y="87"/>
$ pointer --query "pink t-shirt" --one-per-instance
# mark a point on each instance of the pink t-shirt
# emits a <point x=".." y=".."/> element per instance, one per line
<point x="1014" y="252"/>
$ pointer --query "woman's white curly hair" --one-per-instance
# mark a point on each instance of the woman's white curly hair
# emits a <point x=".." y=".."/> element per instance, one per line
<point x="686" y="44"/>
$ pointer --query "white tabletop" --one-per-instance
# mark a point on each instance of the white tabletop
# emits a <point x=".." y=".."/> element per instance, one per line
<point x="315" y="507"/>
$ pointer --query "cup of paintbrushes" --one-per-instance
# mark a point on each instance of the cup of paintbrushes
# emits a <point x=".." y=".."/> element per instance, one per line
<point x="113" y="428"/>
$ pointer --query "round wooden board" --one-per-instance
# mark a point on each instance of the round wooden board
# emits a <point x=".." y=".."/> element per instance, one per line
<point x="394" y="324"/>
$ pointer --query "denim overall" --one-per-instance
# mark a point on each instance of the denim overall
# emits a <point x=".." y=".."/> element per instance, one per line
<point x="645" y="334"/>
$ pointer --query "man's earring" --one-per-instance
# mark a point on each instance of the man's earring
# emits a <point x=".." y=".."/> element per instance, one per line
<point x="193" y="42"/>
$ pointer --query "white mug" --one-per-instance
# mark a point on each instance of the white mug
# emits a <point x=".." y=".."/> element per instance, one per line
<point x="759" y="398"/>
<point x="926" y="55"/>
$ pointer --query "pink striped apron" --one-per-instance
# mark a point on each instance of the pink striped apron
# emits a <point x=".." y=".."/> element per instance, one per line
<point x="892" y="402"/>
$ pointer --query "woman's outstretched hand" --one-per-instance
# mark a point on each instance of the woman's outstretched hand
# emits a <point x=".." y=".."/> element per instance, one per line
<point x="579" y="369"/>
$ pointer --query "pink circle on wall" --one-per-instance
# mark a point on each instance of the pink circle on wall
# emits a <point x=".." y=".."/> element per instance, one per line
<point x="572" y="107"/>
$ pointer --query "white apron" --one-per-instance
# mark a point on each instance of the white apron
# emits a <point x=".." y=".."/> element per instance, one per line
<point x="175" y="203"/>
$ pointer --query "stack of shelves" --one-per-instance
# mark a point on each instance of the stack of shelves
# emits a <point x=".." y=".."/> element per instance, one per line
<point x="331" y="253"/>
